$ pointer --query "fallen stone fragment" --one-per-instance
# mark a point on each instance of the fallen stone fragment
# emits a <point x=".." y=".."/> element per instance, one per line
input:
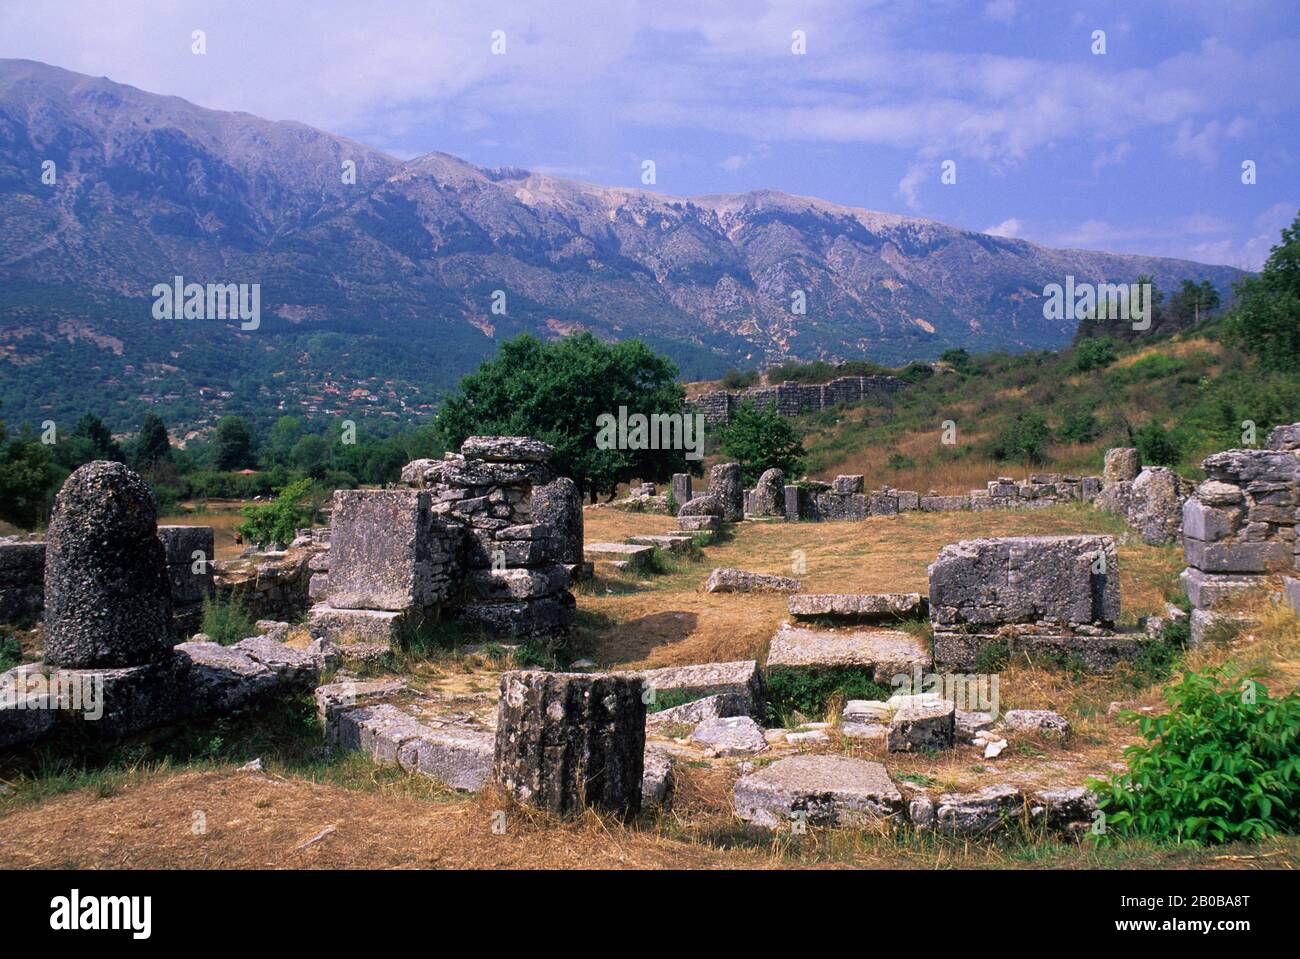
<point x="925" y="724"/>
<point x="868" y="731"/>
<point x="727" y="580"/>
<point x="657" y="779"/>
<point x="863" y="606"/>
<point x="867" y="711"/>
<point x="1070" y="810"/>
<point x="971" y="814"/>
<point x="821" y="790"/>
<point x="1037" y="720"/>
<point x="885" y="652"/>
<point x="806" y="737"/>
<point x="720" y="705"/>
<point x="730" y="736"/>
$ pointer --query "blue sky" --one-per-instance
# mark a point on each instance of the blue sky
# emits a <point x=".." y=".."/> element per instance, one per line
<point x="1137" y="150"/>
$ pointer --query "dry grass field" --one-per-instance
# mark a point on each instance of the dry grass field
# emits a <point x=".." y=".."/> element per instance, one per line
<point x="143" y="807"/>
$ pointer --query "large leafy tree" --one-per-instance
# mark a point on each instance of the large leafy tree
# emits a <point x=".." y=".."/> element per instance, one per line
<point x="152" y="445"/>
<point x="557" y="391"/>
<point x="89" y="440"/>
<point x="232" y="444"/>
<point x="27" y="478"/>
<point x="762" y="439"/>
<point x="1266" y="319"/>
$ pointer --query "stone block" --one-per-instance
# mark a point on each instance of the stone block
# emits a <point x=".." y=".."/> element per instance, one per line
<point x="886" y="653"/>
<point x="742" y="680"/>
<point x="1121" y="464"/>
<point x="819" y="791"/>
<point x="722" y="736"/>
<point x="381" y="551"/>
<point x="1025" y="579"/>
<point x="845" y="484"/>
<point x="1239" y="557"/>
<point x="223" y="680"/>
<point x="456" y="757"/>
<point x="507" y="449"/>
<point x="727" y="580"/>
<point x="725" y="485"/>
<point x="921" y="725"/>
<point x="1209" y="523"/>
<point x="568" y="741"/>
<point x="859" y="606"/>
<point x="980" y="812"/>
<point x="958" y="651"/>
<point x="180" y="543"/>
<point x="1213" y="590"/>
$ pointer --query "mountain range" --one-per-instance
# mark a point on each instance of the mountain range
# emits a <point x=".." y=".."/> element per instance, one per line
<point x="377" y="290"/>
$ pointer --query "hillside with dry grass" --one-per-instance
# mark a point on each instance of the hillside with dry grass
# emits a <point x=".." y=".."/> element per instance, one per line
<point x="1177" y="398"/>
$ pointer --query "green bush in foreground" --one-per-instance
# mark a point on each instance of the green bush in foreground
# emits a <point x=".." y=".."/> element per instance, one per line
<point x="1221" y="765"/>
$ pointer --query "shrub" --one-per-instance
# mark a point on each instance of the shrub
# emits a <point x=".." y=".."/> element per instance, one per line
<point x="1157" y="445"/>
<point x="734" y="379"/>
<point x="1093" y="355"/>
<point x="1222" y="765"/>
<point x="278" y="521"/>
<point x="11" y="652"/>
<point x="226" y="622"/>
<point x="1025" y="438"/>
<point x="1079" y="426"/>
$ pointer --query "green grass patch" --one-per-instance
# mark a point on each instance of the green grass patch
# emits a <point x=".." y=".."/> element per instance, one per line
<point x="807" y="691"/>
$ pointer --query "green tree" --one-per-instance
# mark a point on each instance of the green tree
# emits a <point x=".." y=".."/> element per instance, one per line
<point x="152" y="445"/>
<point x="1093" y="355"/>
<point x="232" y="444"/>
<point x="27" y="478"/>
<point x="284" y="434"/>
<point x="1266" y="319"/>
<point x="89" y="440"/>
<point x="310" y="455"/>
<point x="1198" y="298"/>
<point x="1025" y="439"/>
<point x="557" y="392"/>
<point x="762" y="439"/>
<point x="1158" y="446"/>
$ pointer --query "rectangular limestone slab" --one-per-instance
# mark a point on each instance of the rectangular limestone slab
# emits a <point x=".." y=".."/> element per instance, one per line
<point x="1237" y="557"/>
<point x="359" y="625"/>
<point x="857" y="605"/>
<point x="1025" y="579"/>
<point x="742" y="679"/>
<point x="1211" y="590"/>
<point x="886" y="652"/>
<point x="381" y="549"/>
<point x="961" y="651"/>
<point x="638" y="556"/>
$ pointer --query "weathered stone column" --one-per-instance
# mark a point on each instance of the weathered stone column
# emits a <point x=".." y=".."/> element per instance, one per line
<point x="682" y="489"/>
<point x="107" y="596"/>
<point x="566" y="741"/>
<point x="725" y="484"/>
<point x="558" y="504"/>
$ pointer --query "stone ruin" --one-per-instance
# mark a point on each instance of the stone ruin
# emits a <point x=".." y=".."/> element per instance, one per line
<point x="111" y="665"/>
<point x="792" y="399"/>
<point x="489" y="538"/>
<point x="1150" y="498"/>
<point x="1048" y="596"/>
<point x="1240" y="526"/>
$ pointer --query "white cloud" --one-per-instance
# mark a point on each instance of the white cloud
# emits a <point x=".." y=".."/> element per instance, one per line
<point x="1009" y="228"/>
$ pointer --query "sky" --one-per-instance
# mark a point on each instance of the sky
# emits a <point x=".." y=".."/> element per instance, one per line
<point x="1136" y="149"/>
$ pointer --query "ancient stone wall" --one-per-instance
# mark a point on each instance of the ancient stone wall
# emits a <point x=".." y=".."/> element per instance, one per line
<point x="1239" y="526"/>
<point x="792" y="399"/>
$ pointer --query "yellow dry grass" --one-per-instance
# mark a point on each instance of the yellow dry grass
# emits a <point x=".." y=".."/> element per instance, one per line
<point x="670" y="620"/>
